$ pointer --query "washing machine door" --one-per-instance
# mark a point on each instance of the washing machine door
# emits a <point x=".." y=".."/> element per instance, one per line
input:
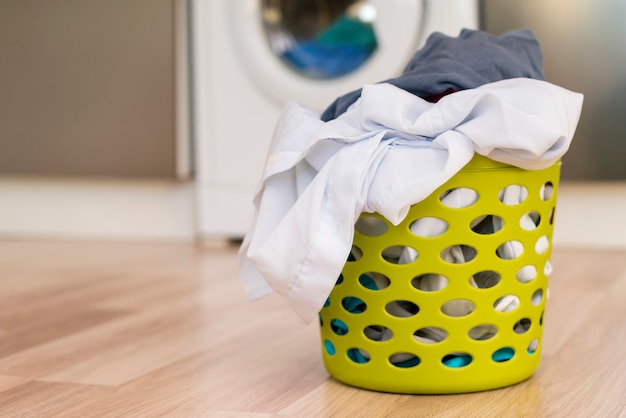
<point x="313" y="51"/>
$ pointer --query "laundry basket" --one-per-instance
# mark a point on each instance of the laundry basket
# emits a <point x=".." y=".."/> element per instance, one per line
<point x="452" y="299"/>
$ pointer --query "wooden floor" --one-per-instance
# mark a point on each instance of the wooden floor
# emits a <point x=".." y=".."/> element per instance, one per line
<point x="139" y="330"/>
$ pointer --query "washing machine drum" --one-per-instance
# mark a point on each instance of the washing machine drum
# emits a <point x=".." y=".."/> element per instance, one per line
<point x="315" y="50"/>
<point x="321" y="39"/>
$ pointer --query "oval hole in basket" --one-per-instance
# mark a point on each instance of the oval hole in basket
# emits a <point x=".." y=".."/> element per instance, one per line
<point x="458" y="254"/>
<point x="537" y="297"/>
<point x="530" y="220"/>
<point x="513" y="194"/>
<point x="329" y="347"/>
<point x="458" y="198"/>
<point x="429" y="282"/>
<point x="542" y="245"/>
<point x="546" y="191"/>
<point x="358" y="355"/>
<point x="457" y="360"/>
<point x="522" y="326"/>
<point x="510" y="250"/>
<point x="428" y="226"/>
<point x="374" y="281"/>
<point x="404" y="360"/>
<point x="487" y="224"/>
<point x="532" y="346"/>
<point x="339" y="280"/>
<point x="503" y="354"/>
<point x="353" y="304"/>
<point x="484" y="279"/>
<point x="482" y="332"/>
<point x="458" y="307"/>
<point x="526" y="274"/>
<point x="399" y="254"/>
<point x="355" y="253"/>
<point x="402" y="308"/>
<point x="338" y="326"/>
<point x="506" y="303"/>
<point x="430" y="335"/>
<point x="378" y="333"/>
<point x="370" y="226"/>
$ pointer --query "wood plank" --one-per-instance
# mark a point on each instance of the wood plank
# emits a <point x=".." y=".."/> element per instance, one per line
<point x="121" y="335"/>
<point x="140" y="330"/>
<point x="243" y="370"/>
<point x="41" y="399"/>
<point x="590" y="367"/>
<point x="54" y="325"/>
<point x="8" y="382"/>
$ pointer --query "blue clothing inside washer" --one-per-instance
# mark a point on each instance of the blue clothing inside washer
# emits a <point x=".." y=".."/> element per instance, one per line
<point x="338" y="50"/>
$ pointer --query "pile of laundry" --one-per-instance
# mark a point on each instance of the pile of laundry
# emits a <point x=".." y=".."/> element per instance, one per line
<point x="388" y="146"/>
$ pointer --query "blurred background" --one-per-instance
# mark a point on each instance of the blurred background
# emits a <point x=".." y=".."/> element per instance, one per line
<point x="149" y="119"/>
<point x="582" y="43"/>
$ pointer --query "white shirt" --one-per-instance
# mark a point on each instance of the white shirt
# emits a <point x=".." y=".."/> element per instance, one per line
<point x="388" y="151"/>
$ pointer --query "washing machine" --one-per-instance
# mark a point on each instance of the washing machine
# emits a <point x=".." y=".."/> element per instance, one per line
<point x="250" y="57"/>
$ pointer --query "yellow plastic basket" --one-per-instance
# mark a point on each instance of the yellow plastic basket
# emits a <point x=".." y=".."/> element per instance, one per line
<point x="452" y="299"/>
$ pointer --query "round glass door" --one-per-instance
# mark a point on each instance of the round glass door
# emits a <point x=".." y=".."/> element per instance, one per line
<point x="266" y="37"/>
<point x="321" y="39"/>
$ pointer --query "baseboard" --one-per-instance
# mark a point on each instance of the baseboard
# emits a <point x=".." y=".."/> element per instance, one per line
<point x="588" y="215"/>
<point x="224" y="212"/>
<point x="591" y="215"/>
<point x="97" y="209"/>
